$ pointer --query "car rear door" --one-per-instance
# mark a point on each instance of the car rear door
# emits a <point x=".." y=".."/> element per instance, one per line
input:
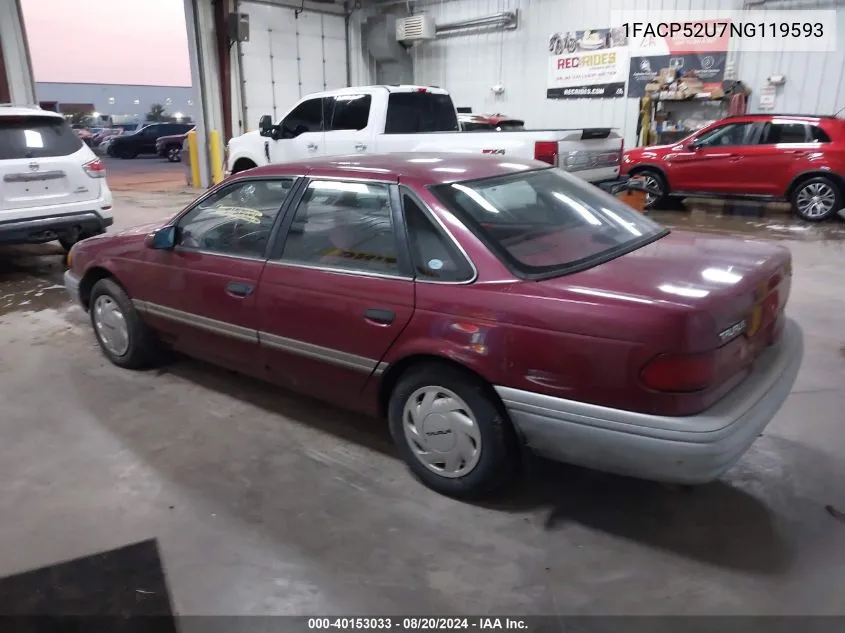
<point x="349" y="124"/>
<point x="337" y="290"/>
<point x="42" y="164"/>
<point x="781" y="151"/>
<point x="201" y="294"/>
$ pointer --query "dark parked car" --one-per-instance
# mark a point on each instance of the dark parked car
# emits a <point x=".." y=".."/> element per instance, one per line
<point x="477" y="303"/>
<point x="143" y="141"/>
<point x="170" y="147"/>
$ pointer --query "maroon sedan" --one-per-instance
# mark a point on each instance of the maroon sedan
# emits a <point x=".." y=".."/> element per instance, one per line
<point x="477" y="303"/>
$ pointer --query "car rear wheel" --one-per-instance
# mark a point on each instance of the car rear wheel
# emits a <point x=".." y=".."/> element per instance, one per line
<point x="127" y="153"/>
<point x="653" y="180"/>
<point x="174" y="153"/>
<point x="452" y="431"/>
<point x="816" y="199"/>
<point x="122" y="335"/>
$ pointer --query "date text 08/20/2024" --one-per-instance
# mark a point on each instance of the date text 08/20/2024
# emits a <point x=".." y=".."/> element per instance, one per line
<point x="417" y="624"/>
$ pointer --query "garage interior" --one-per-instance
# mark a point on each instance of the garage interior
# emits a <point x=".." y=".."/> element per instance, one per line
<point x="191" y="490"/>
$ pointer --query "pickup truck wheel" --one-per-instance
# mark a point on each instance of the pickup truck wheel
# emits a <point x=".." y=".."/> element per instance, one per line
<point x="174" y="153"/>
<point x="652" y="179"/>
<point x="816" y="199"/>
<point x="452" y="431"/>
<point x="122" y="335"/>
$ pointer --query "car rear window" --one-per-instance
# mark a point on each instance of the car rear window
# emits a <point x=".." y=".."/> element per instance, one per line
<point x="415" y="112"/>
<point x="36" y="137"/>
<point x="545" y="223"/>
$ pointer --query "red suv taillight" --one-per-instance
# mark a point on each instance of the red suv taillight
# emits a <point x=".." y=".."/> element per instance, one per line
<point x="679" y="372"/>
<point x="546" y="151"/>
<point x="95" y="168"/>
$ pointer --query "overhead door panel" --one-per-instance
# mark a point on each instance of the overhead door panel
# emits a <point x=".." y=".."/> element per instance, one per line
<point x="290" y="54"/>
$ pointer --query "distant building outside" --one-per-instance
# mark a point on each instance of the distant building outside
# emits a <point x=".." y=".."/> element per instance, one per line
<point x="121" y="104"/>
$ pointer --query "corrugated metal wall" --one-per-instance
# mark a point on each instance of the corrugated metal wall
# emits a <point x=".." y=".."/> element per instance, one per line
<point x="469" y="64"/>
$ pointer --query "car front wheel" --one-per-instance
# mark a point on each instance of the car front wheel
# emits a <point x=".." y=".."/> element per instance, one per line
<point x="655" y="182"/>
<point x="122" y="335"/>
<point x="816" y="199"/>
<point x="174" y="154"/>
<point x="452" y="431"/>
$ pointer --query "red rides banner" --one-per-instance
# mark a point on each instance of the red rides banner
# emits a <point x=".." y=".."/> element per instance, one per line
<point x="587" y="64"/>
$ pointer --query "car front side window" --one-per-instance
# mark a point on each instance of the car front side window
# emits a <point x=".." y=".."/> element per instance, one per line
<point x="236" y="220"/>
<point x="726" y="135"/>
<point x="343" y="225"/>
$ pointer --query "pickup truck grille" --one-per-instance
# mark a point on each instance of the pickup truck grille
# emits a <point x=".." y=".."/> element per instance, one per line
<point x="579" y="160"/>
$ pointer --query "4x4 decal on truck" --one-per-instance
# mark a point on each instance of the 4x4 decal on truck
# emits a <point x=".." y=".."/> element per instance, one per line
<point x="493" y="151"/>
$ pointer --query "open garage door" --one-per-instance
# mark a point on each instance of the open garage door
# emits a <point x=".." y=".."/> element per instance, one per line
<point x="291" y="53"/>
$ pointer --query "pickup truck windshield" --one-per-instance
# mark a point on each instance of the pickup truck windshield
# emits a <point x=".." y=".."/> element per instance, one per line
<point x="415" y="112"/>
<point x="545" y="223"/>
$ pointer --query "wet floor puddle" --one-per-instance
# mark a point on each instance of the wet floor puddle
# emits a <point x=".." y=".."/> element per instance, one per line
<point x="31" y="278"/>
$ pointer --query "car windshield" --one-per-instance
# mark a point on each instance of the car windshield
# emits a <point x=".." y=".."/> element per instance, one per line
<point x="544" y="223"/>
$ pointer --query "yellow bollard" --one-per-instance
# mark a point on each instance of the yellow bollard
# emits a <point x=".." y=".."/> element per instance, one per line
<point x="215" y="156"/>
<point x="194" y="159"/>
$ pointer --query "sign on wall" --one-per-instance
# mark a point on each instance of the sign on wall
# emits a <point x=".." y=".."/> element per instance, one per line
<point x="587" y="64"/>
<point x="651" y="52"/>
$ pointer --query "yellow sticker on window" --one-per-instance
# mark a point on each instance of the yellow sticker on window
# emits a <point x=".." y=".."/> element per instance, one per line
<point x="253" y="216"/>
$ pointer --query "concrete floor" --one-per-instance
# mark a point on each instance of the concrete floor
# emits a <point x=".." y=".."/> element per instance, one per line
<point x="263" y="502"/>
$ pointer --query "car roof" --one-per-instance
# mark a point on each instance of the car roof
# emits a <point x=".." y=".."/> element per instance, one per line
<point x="427" y="168"/>
<point x="12" y="110"/>
<point x="768" y="115"/>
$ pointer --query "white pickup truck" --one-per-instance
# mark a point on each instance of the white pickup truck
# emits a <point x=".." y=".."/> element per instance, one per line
<point x="388" y="119"/>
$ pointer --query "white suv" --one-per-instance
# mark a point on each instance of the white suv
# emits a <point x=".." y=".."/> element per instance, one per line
<point x="52" y="186"/>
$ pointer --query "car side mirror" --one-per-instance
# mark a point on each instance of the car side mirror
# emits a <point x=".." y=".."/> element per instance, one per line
<point x="162" y="239"/>
<point x="265" y="125"/>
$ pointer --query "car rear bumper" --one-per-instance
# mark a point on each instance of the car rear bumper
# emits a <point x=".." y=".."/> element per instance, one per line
<point x="686" y="450"/>
<point x="42" y="229"/>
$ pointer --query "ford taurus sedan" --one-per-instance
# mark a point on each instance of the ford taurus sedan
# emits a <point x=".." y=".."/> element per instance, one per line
<point x="478" y="304"/>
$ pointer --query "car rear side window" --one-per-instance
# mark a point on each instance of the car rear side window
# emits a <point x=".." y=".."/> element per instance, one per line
<point x="344" y="225"/>
<point x="818" y="135"/>
<point x="36" y="137"/>
<point x="435" y="256"/>
<point x="350" y="112"/>
<point x="415" y="112"/>
<point x="236" y="220"/>
<point x="777" y="133"/>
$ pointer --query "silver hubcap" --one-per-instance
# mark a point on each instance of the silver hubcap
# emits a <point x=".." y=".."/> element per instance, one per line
<point x="815" y="200"/>
<point x="441" y="431"/>
<point x="651" y="181"/>
<point x="111" y="325"/>
<point x="174" y="153"/>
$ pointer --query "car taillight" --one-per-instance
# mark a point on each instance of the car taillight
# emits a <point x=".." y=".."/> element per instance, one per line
<point x="546" y="151"/>
<point x="679" y="372"/>
<point x="95" y="168"/>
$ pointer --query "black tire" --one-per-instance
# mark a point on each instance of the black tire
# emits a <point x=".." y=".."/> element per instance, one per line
<point x="499" y="456"/>
<point x="806" y="188"/>
<point x="173" y="154"/>
<point x="657" y="178"/>
<point x="127" y="154"/>
<point x="143" y="349"/>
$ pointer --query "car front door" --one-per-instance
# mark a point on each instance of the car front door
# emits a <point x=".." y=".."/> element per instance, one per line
<point x="147" y="139"/>
<point x="347" y="125"/>
<point x="337" y="290"/>
<point x="201" y="294"/>
<point x="299" y="134"/>
<point x="712" y="165"/>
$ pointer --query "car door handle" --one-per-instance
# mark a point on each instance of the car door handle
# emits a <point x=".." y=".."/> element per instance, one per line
<point x="239" y="289"/>
<point x="379" y="316"/>
<point x="360" y="147"/>
<point x="312" y="146"/>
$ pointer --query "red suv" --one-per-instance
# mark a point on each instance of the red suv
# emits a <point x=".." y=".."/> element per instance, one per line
<point x="765" y="157"/>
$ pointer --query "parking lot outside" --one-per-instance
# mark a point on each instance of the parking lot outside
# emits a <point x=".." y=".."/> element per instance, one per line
<point x="263" y="501"/>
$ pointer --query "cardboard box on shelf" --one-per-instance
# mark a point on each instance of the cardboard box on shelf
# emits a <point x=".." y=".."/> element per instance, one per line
<point x="652" y="87"/>
<point x="666" y="75"/>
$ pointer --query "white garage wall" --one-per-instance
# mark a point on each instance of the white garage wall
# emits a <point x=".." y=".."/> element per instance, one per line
<point x="468" y="65"/>
<point x="290" y="54"/>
